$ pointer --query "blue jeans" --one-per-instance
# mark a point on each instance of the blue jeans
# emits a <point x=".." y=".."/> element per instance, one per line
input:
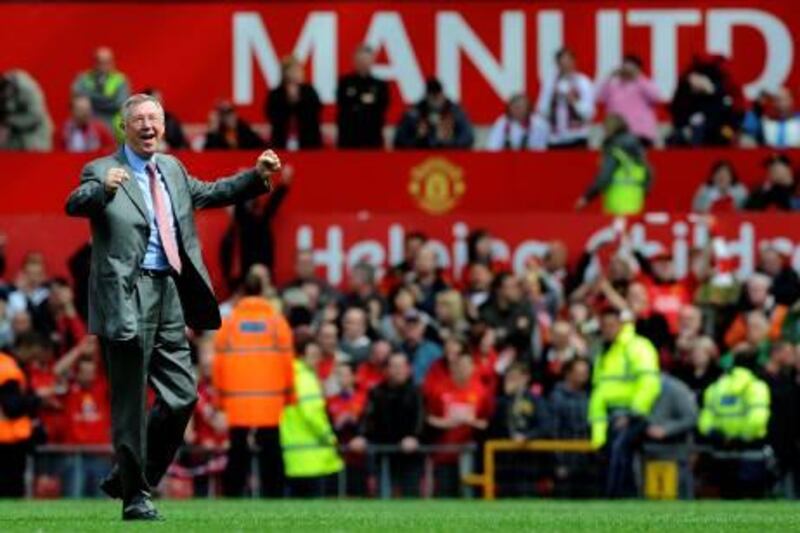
<point x="81" y="475"/>
<point x="623" y="443"/>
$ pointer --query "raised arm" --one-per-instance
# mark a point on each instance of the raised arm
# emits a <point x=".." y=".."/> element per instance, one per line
<point x="242" y="186"/>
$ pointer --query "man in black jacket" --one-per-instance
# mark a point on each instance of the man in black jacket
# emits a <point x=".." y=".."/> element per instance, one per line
<point x="293" y="110"/>
<point x="394" y="416"/>
<point x="362" y="100"/>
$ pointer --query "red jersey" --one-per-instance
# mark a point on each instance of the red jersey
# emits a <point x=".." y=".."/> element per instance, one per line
<point x="437" y="378"/>
<point x="368" y="376"/>
<point x="344" y="404"/>
<point x="454" y="401"/>
<point x="325" y="367"/>
<point x="87" y="414"/>
<point x="54" y="421"/>
<point x="204" y="433"/>
<point x="668" y="299"/>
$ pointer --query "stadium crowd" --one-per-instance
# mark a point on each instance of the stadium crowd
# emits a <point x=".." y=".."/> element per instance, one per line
<point x="707" y="109"/>
<point x="411" y="357"/>
<point x="615" y="349"/>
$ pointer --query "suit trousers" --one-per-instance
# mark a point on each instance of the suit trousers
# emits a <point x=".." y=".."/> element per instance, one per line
<point x="145" y="443"/>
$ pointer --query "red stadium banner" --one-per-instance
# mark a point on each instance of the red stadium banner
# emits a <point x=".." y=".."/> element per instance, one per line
<point x="482" y="51"/>
<point x="353" y="206"/>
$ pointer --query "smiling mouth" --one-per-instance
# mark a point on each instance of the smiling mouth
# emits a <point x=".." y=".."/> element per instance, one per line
<point x="147" y="136"/>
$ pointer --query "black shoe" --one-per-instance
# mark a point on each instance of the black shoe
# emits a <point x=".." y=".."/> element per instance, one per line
<point x="141" y="508"/>
<point x="112" y="485"/>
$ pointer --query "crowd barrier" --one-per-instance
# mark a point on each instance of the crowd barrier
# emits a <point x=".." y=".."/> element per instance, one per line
<point x="503" y="468"/>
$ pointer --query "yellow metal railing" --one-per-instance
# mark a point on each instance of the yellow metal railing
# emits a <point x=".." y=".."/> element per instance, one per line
<point x="486" y="480"/>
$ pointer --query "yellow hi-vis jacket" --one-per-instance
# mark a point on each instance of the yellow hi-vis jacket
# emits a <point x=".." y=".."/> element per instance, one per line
<point x="625" y="378"/>
<point x="626" y="193"/>
<point x="736" y="405"/>
<point x="308" y="442"/>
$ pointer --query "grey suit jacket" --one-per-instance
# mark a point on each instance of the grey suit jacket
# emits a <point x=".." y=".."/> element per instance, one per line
<point x="120" y="233"/>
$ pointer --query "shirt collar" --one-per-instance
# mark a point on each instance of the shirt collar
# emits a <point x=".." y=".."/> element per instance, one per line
<point x="137" y="162"/>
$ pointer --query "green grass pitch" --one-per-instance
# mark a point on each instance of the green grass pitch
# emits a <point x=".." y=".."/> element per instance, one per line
<point x="423" y="516"/>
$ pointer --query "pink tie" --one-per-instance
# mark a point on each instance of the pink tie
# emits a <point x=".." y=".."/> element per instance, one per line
<point x="162" y="221"/>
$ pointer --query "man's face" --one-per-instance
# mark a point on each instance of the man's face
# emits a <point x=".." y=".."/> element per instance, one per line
<point x="144" y="128"/>
<point x="81" y="110"/>
<point x="398" y="370"/>
<point x="363" y="61"/>
<point x="380" y="353"/>
<point x="629" y="69"/>
<point x="480" y="277"/>
<point x="104" y="60"/>
<point x="312" y="355"/>
<point x="462" y="369"/>
<point x="519" y="109"/>
<point x="784" y="102"/>
<point x="579" y="375"/>
<point x="514" y="381"/>
<point x="510" y="289"/>
<point x="413" y="246"/>
<point x="354" y="324"/>
<point x="780" y="173"/>
<point x="413" y="330"/>
<point x="638" y="299"/>
<point x="566" y="63"/>
<point x="328" y="338"/>
<point x="35" y="273"/>
<point x="426" y="261"/>
<point x="562" y="331"/>
<point x="689" y="319"/>
<point x="757" y="327"/>
<point x="21" y="323"/>
<point x="663" y="269"/>
<point x="771" y="262"/>
<point x="556" y="257"/>
<point x="344" y="374"/>
<point x="757" y="291"/>
<point x="87" y="373"/>
<point x="610" y="325"/>
<point x="304" y="267"/>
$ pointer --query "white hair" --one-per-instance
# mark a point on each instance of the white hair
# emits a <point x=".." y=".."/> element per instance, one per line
<point x="135" y="100"/>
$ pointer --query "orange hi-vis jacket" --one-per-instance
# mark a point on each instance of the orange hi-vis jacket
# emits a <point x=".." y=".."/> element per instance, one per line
<point x="13" y="430"/>
<point x="253" y="371"/>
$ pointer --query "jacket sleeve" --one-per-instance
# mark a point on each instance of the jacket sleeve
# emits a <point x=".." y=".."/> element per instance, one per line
<point x="598" y="415"/>
<point x="644" y="359"/>
<point x="287" y="354"/>
<point x="225" y="191"/>
<point x="685" y="413"/>
<point x="90" y="197"/>
<point x="311" y="409"/>
<point x="603" y="178"/>
<point x="14" y="403"/>
<point x="705" y="422"/>
<point x="758" y="404"/>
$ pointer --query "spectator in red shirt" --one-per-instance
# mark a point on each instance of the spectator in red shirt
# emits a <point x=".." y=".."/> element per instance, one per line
<point x="372" y="371"/>
<point x="88" y="423"/>
<point x="58" y="318"/>
<point x="345" y="409"/>
<point x="328" y="341"/>
<point x="667" y="294"/>
<point x="439" y="373"/>
<point x="37" y="354"/>
<point x="84" y="133"/>
<point x="457" y="411"/>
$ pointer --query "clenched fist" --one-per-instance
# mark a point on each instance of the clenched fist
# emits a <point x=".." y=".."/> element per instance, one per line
<point x="114" y="178"/>
<point x="268" y="163"/>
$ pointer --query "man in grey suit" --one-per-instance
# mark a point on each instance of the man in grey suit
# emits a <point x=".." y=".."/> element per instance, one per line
<point x="147" y="282"/>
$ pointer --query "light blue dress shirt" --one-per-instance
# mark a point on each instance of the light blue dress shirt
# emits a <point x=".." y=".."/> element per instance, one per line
<point x="154" y="256"/>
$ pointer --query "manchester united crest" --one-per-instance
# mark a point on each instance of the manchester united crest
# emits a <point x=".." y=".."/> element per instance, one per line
<point x="437" y="185"/>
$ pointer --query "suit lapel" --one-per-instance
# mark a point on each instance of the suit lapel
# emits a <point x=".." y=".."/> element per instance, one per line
<point x="130" y="187"/>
